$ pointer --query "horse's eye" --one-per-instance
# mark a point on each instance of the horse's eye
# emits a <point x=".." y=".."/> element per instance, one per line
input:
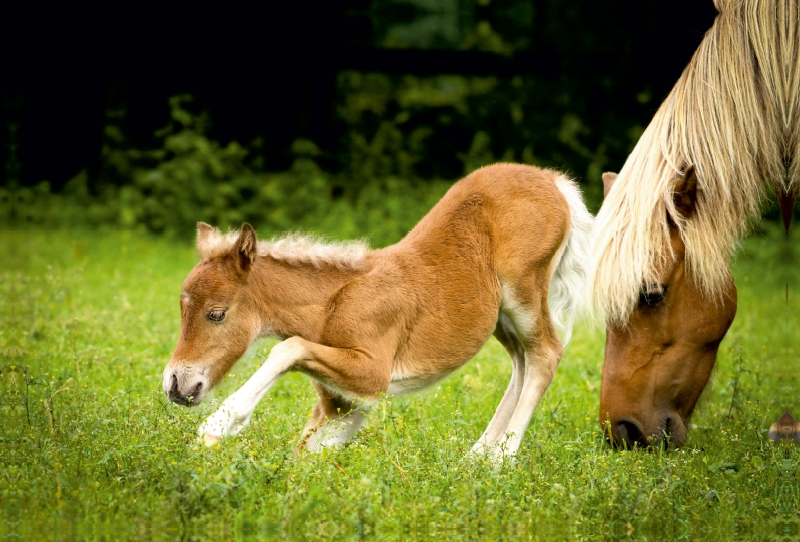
<point x="216" y="315"/>
<point x="653" y="297"/>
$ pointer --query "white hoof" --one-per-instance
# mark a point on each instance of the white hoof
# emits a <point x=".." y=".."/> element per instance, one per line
<point x="225" y="422"/>
<point x="496" y="453"/>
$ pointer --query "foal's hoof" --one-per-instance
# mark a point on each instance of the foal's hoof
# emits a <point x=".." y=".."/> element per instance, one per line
<point x="494" y="453"/>
<point x="210" y="440"/>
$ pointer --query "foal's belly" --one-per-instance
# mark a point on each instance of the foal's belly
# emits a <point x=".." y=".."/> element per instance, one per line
<point x="410" y="377"/>
<point x="423" y="367"/>
<point x="409" y="384"/>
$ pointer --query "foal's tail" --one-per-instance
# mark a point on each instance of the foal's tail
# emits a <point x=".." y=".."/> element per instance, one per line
<point x="568" y="284"/>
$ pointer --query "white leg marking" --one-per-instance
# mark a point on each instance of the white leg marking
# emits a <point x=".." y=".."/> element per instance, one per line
<point x="234" y="413"/>
<point x="539" y="371"/>
<point x="508" y="403"/>
<point x="504" y="411"/>
<point x="335" y="432"/>
<point x="532" y="375"/>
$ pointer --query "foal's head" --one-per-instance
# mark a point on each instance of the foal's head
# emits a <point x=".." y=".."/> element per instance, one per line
<point x="218" y="323"/>
<point x="657" y="365"/>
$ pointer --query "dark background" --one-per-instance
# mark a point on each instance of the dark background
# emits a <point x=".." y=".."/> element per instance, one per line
<point x="268" y="74"/>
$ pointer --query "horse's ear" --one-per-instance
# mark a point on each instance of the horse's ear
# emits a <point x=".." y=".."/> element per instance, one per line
<point x="246" y="247"/>
<point x="608" y="181"/>
<point x="684" y="193"/>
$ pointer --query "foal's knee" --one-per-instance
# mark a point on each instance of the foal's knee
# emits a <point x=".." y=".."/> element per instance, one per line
<point x="288" y="351"/>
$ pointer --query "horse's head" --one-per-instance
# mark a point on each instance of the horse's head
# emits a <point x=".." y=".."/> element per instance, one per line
<point x="657" y="364"/>
<point x="217" y="321"/>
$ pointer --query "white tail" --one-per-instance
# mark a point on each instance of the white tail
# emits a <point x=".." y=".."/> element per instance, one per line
<point x="568" y="285"/>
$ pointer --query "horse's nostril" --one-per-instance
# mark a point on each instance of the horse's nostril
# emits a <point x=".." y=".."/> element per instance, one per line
<point x="674" y="431"/>
<point x="173" y="389"/>
<point x="197" y="389"/>
<point x="629" y="433"/>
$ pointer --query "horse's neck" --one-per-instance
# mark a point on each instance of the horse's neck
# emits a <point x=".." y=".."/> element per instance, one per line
<point x="292" y="299"/>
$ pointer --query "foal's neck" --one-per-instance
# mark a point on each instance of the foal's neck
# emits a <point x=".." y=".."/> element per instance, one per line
<point x="292" y="299"/>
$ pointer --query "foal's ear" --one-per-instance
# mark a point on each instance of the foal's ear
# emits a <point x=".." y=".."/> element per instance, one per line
<point x="245" y="247"/>
<point x="206" y="237"/>
<point x="608" y="181"/>
<point x="204" y="231"/>
<point x="684" y="193"/>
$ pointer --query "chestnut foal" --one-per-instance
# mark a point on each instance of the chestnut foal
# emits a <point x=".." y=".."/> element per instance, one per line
<point x="363" y="323"/>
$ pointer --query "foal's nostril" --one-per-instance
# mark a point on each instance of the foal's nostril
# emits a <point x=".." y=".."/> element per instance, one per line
<point x="174" y="394"/>
<point x="178" y="390"/>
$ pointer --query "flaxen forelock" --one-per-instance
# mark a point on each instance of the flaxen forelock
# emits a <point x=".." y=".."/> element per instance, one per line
<point x="735" y="115"/>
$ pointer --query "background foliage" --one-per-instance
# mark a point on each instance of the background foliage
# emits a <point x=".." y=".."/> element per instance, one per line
<point x="354" y="129"/>
<point x="191" y="178"/>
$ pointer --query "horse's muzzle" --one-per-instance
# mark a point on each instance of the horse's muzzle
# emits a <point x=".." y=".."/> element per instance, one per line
<point x="183" y="386"/>
<point x="629" y="433"/>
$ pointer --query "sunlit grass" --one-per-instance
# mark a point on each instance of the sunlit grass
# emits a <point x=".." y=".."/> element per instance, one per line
<point x="92" y="446"/>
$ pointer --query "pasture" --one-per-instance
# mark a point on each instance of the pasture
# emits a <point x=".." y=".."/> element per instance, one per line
<point x="91" y="448"/>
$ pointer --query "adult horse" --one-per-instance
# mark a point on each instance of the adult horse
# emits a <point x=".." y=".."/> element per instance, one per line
<point x="727" y="134"/>
<point x="362" y="323"/>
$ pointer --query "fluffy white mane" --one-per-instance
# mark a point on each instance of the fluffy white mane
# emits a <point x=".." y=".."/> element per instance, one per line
<point x="293" y="248"/>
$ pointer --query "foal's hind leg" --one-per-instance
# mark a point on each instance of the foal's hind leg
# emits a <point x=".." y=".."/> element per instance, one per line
<point x="543" y="351"/>
<point x="507" y="336"/>
<point x="528" y="334"/>
<point x="333" y="421"/>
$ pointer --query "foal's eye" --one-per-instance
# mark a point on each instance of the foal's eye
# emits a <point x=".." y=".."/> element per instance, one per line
<point x="216" y="315"/>
<point x="653" y="297"/>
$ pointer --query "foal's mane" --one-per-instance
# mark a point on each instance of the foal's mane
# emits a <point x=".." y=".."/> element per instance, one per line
<point x="735" y="114"/>
<point x="293" y="248"/>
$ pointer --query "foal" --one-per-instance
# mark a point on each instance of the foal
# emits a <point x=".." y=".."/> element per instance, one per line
<point x="363" y="323"/>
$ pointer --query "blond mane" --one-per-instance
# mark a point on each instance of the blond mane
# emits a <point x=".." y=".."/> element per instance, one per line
<point x="293" y="248"/>
<point x="735" y="114"/>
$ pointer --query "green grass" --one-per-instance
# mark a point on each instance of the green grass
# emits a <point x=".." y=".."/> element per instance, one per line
<point x="91" y="448"/>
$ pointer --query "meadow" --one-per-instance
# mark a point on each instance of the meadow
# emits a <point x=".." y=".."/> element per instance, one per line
<point x="91" y="448"/>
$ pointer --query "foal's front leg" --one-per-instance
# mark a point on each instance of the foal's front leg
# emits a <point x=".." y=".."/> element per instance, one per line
<point x="351" y="372"/>
<point x="234" y="413"/>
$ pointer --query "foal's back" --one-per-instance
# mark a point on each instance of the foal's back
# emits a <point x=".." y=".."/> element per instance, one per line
<point x="437" y="294"/>
<point x="506" y="214"/>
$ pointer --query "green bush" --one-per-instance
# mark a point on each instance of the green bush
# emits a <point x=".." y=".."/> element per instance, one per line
<point x="196" y="178"/>
<point x="192" y="178"/>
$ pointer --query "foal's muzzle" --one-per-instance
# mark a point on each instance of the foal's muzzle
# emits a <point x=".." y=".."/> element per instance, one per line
<point x="184" y="386"/>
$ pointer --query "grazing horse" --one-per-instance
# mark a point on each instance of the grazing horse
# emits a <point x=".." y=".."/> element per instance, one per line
<point x="363" y="323"/>
<point x="727" y="134"/>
